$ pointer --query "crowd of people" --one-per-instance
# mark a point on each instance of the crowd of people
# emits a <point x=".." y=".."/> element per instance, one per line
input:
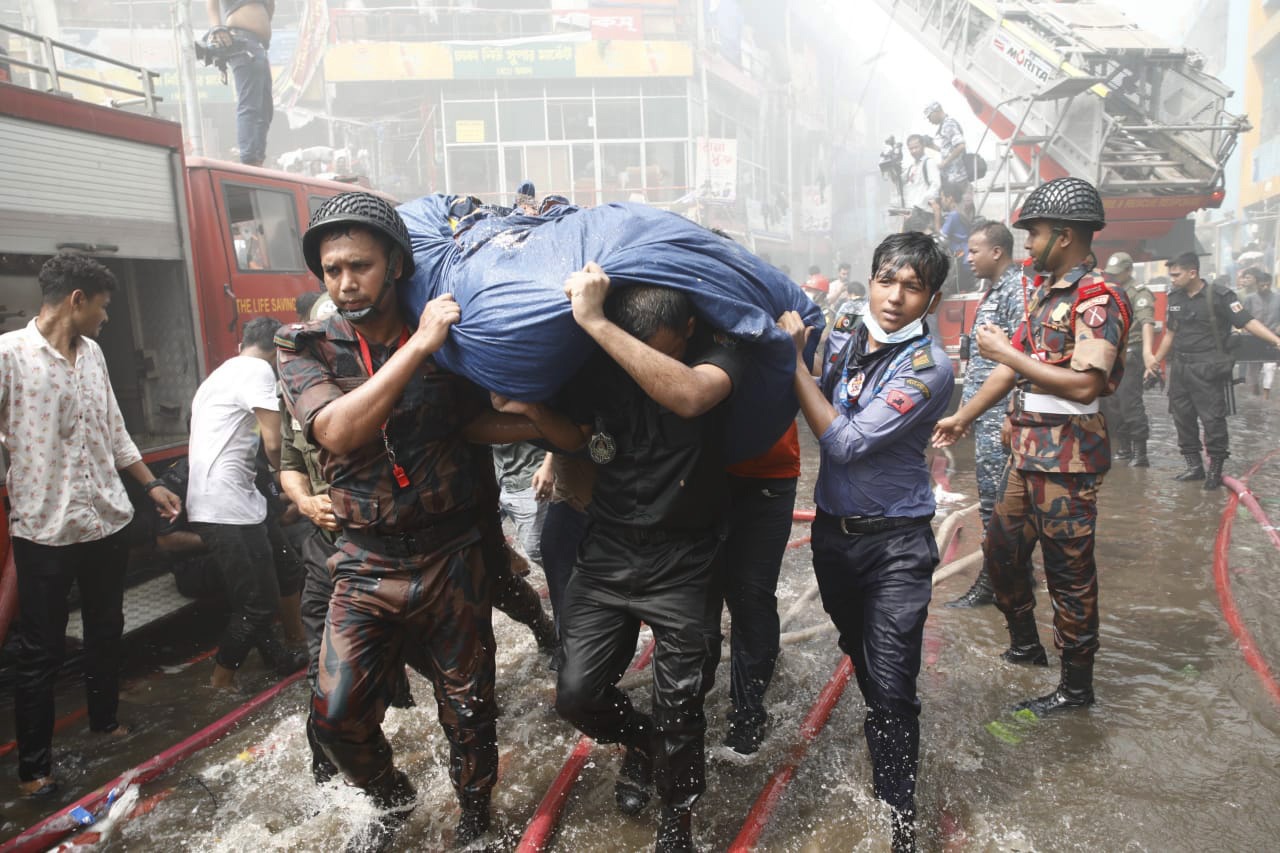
<point x="379" y="543"/>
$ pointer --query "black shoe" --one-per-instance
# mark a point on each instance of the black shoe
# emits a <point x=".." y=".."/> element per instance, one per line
<point x="544" y="633"/>
<point x="1024" y="642"/>
<point x="1194" y="469"/>
<point x="1124" y="450"/>
<point x="1075" y="690"/>
<point x="675" y="831"/>
<point x="904" y="834"/>
<point x="631" y="791"/>
<point x="473" y="823"/>
<point x="745" y="736"/>
<point x="979" y="594"/>
<point x="394" y="793"/>
<point x="1140" y="459"/>
<point x="1213" y="477"/>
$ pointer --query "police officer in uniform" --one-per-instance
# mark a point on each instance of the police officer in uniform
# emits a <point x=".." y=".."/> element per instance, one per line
<point x="873" y="546"/>
<point x="1124" y="410"/>
<point x="1069" y="352"/>
<point x="1003" y="305"/>
<point x="409" y="580"/>
<point x="1200" y="320"/>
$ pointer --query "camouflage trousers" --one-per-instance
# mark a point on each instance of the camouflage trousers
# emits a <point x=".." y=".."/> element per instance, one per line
<point x="989" y="458"/>
<point x="1060" y="511"/>
<point x="1125" y="411"/>
<point x="430" y="609"/>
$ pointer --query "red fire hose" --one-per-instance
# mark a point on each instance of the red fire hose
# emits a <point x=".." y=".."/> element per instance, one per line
<point x="57" y="826"/>
<point x="1222" y="575"/>
<point x="763" y="808"/>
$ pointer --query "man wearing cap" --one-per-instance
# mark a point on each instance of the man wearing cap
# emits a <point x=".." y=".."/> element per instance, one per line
<point x="1067" y="354"/>
<point x="1124" y="410"/>
<point x="949" y="140"/>
<point x="391" y="430"/>
<point x="527" y="198"/>
<point x="817" y="287"/>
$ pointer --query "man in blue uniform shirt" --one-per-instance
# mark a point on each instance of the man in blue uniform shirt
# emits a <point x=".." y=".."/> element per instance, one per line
<point x="873" y="547"/>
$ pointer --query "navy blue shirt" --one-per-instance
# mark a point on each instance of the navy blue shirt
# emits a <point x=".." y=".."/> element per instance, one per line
<point x="873" y="459"/>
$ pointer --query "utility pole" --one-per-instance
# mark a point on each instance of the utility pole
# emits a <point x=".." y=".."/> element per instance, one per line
<point x="191" y="120"/>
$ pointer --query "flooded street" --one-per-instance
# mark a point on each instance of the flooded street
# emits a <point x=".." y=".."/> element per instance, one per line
<point x="1182" y="751"/>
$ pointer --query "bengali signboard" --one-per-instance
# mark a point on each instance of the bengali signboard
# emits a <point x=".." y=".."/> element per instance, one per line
<point x="716" y="169"/>
<point x="495" y="62"/>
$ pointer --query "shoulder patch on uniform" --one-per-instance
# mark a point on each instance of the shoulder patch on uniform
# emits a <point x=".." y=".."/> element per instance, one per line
<point x="922" y="358"/>
<point x="1236" y="307"/>
<point x="1142" y="302"/>
<point x="919" y="386"/>
<point x="1089" y="303"/>
<point x="1092" y="289"/>
<point x="899" y="401"/>
<point x="286" y="341"/>
<point x="844" y="323"/>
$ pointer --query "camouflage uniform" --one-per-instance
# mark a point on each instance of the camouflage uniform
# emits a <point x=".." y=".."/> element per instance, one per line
<point x="1124" y="410"/>
<point x="1005" y="306"/>
<point x="1050" y="486"/>
<point x="408" y="575"/>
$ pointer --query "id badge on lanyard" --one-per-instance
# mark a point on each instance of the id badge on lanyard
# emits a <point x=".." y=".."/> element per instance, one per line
<point x="397" y="470"/>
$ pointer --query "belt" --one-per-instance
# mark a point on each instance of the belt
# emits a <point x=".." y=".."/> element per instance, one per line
<point x="1047" y="404"/>
<point x="416" y="542"/>
<point x="865" y="525"/>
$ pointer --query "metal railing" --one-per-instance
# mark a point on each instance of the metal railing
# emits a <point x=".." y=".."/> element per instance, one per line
<point x="48" y="66"/>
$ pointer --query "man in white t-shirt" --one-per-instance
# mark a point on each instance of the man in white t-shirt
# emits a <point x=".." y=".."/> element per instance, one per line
<point x="921" y="182"/>
<point x="234" y="408"/>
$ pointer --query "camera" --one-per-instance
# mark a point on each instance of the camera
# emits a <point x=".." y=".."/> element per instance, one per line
<point x="891" y="164"/>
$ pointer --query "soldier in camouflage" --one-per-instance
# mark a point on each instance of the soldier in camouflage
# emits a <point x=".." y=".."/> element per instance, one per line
<point x="1124" y="410"/>
<point x="392" y="429"/>
<point x="1067" y="354"/>
<point x="1004" y="305"/>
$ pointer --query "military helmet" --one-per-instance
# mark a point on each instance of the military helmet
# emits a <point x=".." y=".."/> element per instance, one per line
<point x="356" y="208"/>
<point x="1064" y="200"/>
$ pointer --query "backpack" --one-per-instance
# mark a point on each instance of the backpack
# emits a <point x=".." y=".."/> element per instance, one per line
<point x="975" y="166"/>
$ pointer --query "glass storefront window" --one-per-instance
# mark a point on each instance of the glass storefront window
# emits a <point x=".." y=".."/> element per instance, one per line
<point x="474" y="171"/>
<point x="620" y="171"/>
<point x="618" y="118"/>
<point x="584" y="175"/>
<point x="470" y="121"/>
<point x="569" y="119"/>
<point x="665" y="179"/>
<point x="522" y="120"/>
<point x="665" y="117"/>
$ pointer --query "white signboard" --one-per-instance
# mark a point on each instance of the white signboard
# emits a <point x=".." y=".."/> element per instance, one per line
<point x="716" y="169"/>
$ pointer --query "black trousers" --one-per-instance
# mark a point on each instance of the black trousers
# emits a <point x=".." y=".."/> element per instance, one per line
<point x="45" y="574"/>
<point x="759" y="527"/>
<point x="624" y="577"/>
<point x="562" y="533"/>
<point x="877" y="589"/>
<point x="244" y="556"/>
<point x="1198" y="390"/>
<point x="1124" y="410"/>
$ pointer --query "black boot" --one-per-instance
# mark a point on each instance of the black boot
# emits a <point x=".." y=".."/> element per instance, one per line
<point x="1195" y="468"/>
<point x="675" y="830"/>
<point x="631" y="791"/>
<point x="746" y="733"/>
<point x="322" y="769"/>
<point x="1075" y="690"/>
<point x="1124" y="449"/>
<point x="392" y="792"/>
<point x="473" y="823"/>
<point x="979" y="594"/>
<point x="1140" y="459"/>
<point x="544" y="633"/>
<point x="1024" y="642"/>
<point x="904" y="834"/>
<point x="1213" y="477"/>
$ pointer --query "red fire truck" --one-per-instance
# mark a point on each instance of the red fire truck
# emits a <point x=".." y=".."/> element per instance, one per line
<point x="199" y="247"/>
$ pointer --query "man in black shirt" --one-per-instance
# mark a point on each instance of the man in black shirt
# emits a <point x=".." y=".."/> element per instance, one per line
<point x="658" y="409"/>
<point x="1200" y="319"/>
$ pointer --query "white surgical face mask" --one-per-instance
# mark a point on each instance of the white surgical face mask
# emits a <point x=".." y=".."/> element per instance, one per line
<point x="912" y="330"/>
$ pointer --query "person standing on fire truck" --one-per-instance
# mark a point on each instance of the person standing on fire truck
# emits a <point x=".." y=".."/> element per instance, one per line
<point x="246" y="26"/>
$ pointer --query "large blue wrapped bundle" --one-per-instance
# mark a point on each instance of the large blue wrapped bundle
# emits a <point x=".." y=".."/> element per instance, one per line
<point x="517" y="335"/>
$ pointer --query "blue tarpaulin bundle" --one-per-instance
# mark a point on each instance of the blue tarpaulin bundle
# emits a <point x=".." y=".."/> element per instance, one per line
<point x="517" y="335"/>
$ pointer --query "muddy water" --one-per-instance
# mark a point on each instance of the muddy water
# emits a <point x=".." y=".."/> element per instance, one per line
<point x="1182" y="751"/>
